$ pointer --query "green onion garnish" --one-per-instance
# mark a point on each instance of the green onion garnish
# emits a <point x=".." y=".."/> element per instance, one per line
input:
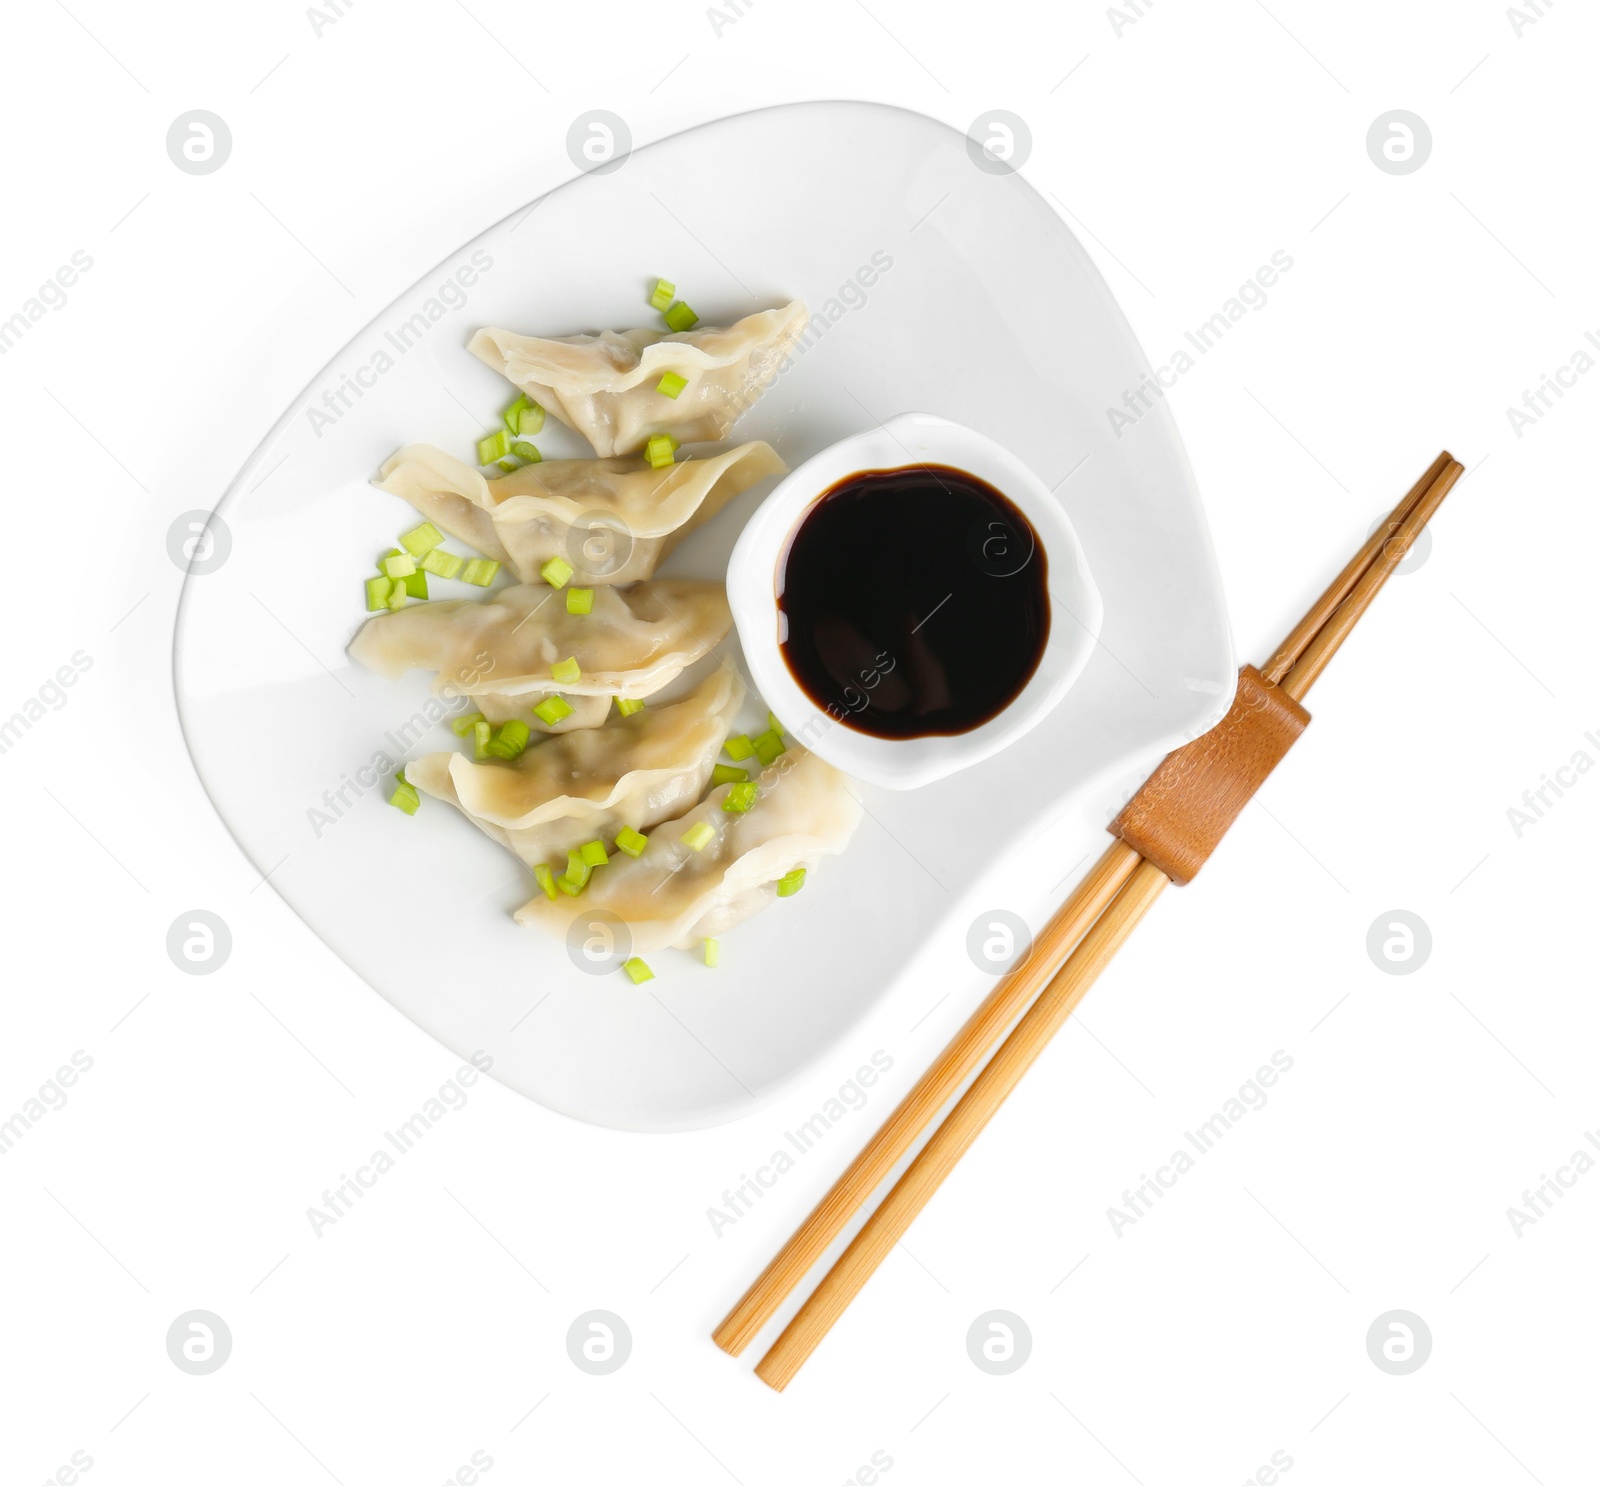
<point x="727" y="774"/>
<point x="495" y="447"/>
<point x="552" y="710"/>
<point x="740" y="797"/>
<point x="442" y="564"/>
<point x="480" y="570"/>
<point x="774" y="725"/>
<point x="405" y="796"/>
<point x="738" y="747"/>
<point x="461" y="726"/>
<point x="416" y="584"/>
<point x="580" y="600"/>
<point x="398" y="597"/>
<point x="661" y="295"/>
<point x="526" y="452"/>
<point x="630" y="841"/>
<point x="627" y="706"/>
<point x="699" y="835"/>
<point x="768" y="746"/>
<point x="400" y="565"/>
<point x="712" y="951"/>
<point x="530" y="420"/>
<point x="546" y="879"/>
<point x="638" y="971"/>
<point x="594" y="853"/>
<point x="481" y="733"/>
<point x="567" y="670"/>
<point x="421" y="540"/>
<point x="512" y="417"/>
<point x="556" y="572"/>
<point x="681" y="317"/>
<point x="568" y="886"/>
<point x="509" y="739"/>
<point x="791" y="882"/>
<point x="378" y="592"/>
<point x="659" y="450"/>
<point x="509" y="464"/>
<point x="578" y="867"/>
<point x="671" y="384"/>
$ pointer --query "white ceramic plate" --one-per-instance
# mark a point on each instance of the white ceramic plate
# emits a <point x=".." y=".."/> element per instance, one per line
<point x="947" y="288"/>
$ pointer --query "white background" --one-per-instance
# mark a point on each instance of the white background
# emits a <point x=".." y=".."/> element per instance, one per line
<point x="1228" y="1324"/>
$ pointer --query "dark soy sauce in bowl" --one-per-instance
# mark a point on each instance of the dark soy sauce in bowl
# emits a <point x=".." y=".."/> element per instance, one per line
<point x="914" y="602"/>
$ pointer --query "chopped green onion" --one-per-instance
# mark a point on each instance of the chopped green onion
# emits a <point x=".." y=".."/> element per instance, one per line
<point x="495" y="447"/>
<point x="768" y="746"/>
<point x="659" y="450"/>
<point x="791" y="882"/>
<point x="627" y="706"/>
<point x="400" y="565"/>
<point x="509" y="740"/>
<point x="671" y="384"/>
<point x="441" y="563"/>
<point x="638" y="971"/>
<point x="578" y="867"/>
<point x="378" y="592"/>
<point x="398" y="598"/>
<point x="556" y="572"/>
<point x="681" y="317"/>
<point x="580" y="600"/>
<point x="405" y="796"/>
<point x="546" y="879"/>
<point x="727" y="774"/>
<point x="630" y="841"/>
<point x="712" y="951"/>
<point x="421" y="540"/>
<point x="461" y="726"/>
<point x="740" y="797"/>
<point x="774" y="725"/>
<point x="481" y="733"/>
<point x="738" y="747"/>
<point x="568" y="886"/>
<point x="594" y="853"/>
<point x="661" y="295"/>
<point x="525" y="451"/>
<point x="553" y="709"/>
<point x="481" y="571"/>
<point x="512" y="417"/>
<point x="699" y="835"/>
<point x="567" y="670"/>
<point x="416" y="584"/>
<point x="509" y="464"/>
<point x="530" y="420"/>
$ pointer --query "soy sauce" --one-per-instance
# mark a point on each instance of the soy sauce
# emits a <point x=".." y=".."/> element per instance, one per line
<point x="914" y="602"/>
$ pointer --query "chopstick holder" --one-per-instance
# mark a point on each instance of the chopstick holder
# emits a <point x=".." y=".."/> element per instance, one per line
<point x="1185" y="808"/>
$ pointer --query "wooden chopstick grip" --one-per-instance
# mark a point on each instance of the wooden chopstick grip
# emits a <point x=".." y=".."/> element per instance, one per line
<point x="926" y="1097"/>
<point x="961" y="1127"/>
<point x="1185" y="808"/>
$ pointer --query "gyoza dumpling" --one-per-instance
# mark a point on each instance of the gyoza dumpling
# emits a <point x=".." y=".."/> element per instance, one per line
<point x="558" y="794"/>
<point x="525" y="518"/>
<point x="604" y="386"/>
<point x="672" y="895"/>
<point x="500" y="650"/>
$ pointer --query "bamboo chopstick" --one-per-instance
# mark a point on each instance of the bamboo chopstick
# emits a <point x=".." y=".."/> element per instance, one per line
<point x="937" y="1159"/>
<point x="926" y="1098"/>
<point x="1103" y="910"/>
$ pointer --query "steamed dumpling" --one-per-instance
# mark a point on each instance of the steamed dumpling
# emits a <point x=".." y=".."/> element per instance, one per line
<point x="635" y="772"/>
<point x="525" y="518"/>
<point x="670" y="895"/>
<point x="604" y="385"/>
<point x="500" y="650"/>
